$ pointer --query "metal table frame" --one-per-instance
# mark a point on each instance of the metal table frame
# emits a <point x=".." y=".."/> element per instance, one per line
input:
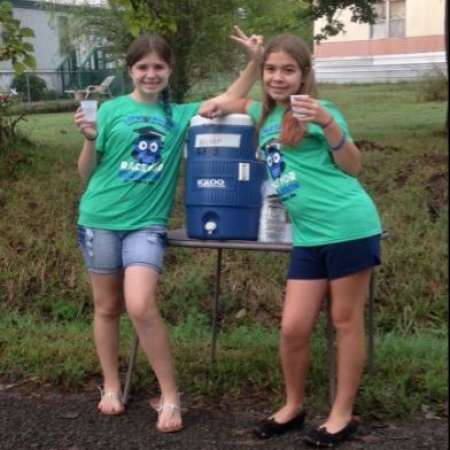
<point x="179" y="238"/>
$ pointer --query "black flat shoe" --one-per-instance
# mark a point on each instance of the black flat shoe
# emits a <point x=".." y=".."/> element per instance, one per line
<point x="269" y="428"/>
<point x="320" y="437"/>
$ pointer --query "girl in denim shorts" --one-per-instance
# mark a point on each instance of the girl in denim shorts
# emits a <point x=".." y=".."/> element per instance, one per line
<point x="313" y="163"/>
<point x="130" y="159"/>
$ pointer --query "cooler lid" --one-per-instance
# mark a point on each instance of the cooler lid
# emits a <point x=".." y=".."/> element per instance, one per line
<point x="230" y="119"/>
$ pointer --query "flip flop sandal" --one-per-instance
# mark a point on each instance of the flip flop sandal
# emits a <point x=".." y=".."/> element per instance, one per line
<point x="164" y="406"/>
<point x="114" y="396"/>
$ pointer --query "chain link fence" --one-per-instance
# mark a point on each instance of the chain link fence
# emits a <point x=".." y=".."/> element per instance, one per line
<point x="45" y="85"/>
<point x="57" y="90"/>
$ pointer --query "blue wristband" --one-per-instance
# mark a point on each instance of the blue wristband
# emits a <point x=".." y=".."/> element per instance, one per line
<point x="340" y="144"/>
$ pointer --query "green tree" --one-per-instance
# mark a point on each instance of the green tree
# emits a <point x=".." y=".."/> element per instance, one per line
<point x="13" y="47"/>
<point x="446" y="55"/>
<point x="198" y="30"/>
<point x="362" y="11"/>
<point x="277" y="16"/>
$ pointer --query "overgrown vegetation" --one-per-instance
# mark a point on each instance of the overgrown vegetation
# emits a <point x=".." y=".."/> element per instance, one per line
<point x="433" y="86"/>
<point x="48" y="106"/>
<point x="10" y="138"/>
<point x="43" y="286"/>
<point x="63" y="353"/>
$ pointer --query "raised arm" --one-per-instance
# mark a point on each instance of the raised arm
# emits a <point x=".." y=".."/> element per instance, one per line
<point x="233" y="99"/>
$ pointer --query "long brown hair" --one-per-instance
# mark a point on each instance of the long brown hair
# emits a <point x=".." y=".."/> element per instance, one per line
<point x="141" y="47"/>
<point x="292" y="130"/>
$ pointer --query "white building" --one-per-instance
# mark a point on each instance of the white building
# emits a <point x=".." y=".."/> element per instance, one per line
<point x="61" y="69"/>
<point x="406" y="42"/>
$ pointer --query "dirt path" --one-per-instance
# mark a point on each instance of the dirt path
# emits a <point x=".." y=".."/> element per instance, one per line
<point x="49" y="420"/>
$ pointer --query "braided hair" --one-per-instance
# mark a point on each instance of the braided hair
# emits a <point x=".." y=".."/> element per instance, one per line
<point x="167" y="107"/>
<point x="141" y="47"/>
<point x="292" y="130"/>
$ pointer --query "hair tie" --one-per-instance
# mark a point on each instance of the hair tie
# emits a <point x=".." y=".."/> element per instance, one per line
<point x="340" y="144"/>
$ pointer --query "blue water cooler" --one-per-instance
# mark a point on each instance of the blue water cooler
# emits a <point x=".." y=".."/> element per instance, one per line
<point x="223" y="179"/>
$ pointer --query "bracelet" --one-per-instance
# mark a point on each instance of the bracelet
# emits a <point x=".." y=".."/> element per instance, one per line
<point x="340" y="144"/>
<point x="91" y="139"/>
<point x="326" y="125"/>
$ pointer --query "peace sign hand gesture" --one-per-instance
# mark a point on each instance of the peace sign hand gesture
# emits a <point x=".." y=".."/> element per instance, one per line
<point x="253" y="44"/>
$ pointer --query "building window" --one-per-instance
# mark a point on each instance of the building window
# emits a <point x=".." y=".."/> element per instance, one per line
<point x="390" y="21"/>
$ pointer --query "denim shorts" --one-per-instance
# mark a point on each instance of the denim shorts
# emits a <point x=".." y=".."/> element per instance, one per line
<point x="334" y="261"/>
<point x="110" y="251"/>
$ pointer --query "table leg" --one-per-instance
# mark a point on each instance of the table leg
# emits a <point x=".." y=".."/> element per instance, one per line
<point x="216" y="309"/>
<point x="131" y="364"/>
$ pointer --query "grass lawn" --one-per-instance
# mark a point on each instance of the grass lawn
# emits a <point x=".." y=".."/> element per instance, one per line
<point x="44" y="291"/>
<point x="405" y="170"/>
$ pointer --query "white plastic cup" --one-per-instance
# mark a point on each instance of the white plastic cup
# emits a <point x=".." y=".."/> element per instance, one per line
<point x="89" y="108"/>
<point x="298" y="115"/>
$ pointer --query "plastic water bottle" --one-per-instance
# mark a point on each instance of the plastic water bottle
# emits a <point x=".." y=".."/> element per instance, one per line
<point x="273" y="224"/>
<point x="287" y="235"/>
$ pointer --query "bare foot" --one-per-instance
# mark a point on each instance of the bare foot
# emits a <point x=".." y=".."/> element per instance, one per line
<point x="110" y="404"/>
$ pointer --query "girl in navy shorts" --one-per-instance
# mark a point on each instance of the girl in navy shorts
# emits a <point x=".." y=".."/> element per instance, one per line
<point x="313" y="163"/>
<point x="130" y="159"/>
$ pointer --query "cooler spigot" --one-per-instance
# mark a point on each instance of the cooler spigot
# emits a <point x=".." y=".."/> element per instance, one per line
<point x="210" y="227"/>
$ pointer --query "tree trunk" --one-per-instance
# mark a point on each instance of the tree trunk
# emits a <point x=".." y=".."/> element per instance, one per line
<point x="446" y="54"/>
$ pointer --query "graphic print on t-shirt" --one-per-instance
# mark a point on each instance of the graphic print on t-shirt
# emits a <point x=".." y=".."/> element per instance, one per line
<point x="147" y="146"/>
<point x="275" y="161"/>
<point x="146" y="152"/>
<point x="284" y="182"/>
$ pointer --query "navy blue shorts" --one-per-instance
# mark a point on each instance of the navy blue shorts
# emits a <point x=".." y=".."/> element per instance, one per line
<point x="334" y="260"/>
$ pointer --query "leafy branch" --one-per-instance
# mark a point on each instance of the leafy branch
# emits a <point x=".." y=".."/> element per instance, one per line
<point x="13" y="44"/>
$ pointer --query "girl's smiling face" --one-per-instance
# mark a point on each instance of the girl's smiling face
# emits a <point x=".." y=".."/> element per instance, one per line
<point x="281" y="76"/>
<point x="150" y="75"/>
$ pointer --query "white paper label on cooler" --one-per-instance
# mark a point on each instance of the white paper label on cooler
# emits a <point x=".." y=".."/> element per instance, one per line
<point x="244" y="172"/>
<point x="218" y="140"/>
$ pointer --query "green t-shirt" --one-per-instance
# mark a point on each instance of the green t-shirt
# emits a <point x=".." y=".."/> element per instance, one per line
<point x="134" y="183"/>
<point x="325" y="204"/>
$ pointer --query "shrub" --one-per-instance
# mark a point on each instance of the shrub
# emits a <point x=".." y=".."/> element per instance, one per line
<point x="38" y="86"/>
<point x="7" y="123"/>
<point x="48" y="106"/>
<point x="10" y="158"/>
<point x="51" y="95"/>
<point x="433" y="86"/>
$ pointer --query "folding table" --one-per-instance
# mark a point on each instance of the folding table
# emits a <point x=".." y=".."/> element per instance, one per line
<point x="179" y="238"/>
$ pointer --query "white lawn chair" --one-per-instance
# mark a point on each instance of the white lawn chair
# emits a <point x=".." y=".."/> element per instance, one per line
<point x="101" y="89"/>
